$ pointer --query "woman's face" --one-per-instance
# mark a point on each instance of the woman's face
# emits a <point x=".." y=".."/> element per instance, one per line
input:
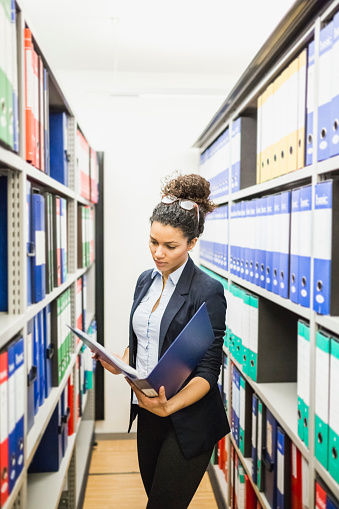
<point x="168" y="246"/>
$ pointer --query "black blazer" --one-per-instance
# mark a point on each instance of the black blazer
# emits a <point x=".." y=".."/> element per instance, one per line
<point x="201" y="425"/>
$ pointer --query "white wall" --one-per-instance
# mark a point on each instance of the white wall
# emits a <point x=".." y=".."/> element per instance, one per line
<point x="142" y="145"/>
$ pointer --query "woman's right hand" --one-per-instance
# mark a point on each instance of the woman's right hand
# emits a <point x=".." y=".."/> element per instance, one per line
<point x="104" y="364"/>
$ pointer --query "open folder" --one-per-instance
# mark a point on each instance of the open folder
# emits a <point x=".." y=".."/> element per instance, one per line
<point x="174" y="366"/>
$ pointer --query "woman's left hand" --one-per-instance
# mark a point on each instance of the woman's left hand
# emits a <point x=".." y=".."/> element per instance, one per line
<point x="157" y="405"/>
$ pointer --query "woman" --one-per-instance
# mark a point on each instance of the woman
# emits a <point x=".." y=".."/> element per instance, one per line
<point x="176" y="436"/>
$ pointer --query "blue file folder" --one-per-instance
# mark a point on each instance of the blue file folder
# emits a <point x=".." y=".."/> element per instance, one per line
<point x="269" y="459"/>
<point x="175" y="365"/>
<point x="58" y="148"/>
<point x="19" y="402"/>
<point x="283" y="470"/>
<point x="30" y="244"/>
<point x="3" y="245"/>
<point x="269" y="246"/>
<point x="36" y="362"/>
<point x="31" y="374"/>
<point x="284" y="262"/>
<point x="254" y="438"/>
<point x="48" y="350"/>
<point x="323" y="247"/>
<point x="39" y="259"/>
<point x="48" y="455"/>
<point x="305" y="246"/>
<point x="12" y="466"/>
<point x="41" y="358"/>
<point x="295" y="246"/>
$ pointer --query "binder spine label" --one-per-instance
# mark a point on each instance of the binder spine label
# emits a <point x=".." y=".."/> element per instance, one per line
<point x="322" y="247"/>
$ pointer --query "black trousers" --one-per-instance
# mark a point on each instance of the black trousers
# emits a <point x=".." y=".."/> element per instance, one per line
<point x="169" y="478"/>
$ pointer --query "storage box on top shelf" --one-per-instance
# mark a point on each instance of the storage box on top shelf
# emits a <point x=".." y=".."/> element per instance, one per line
<point x="243" y="153"/>
<point x="281" y="122"/>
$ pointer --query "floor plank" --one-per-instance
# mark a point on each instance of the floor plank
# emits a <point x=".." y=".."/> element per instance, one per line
<point x="114" y="480"/>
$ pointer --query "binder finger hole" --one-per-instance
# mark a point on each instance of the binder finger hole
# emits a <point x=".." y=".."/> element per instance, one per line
<point x="303" y="281"/>
<point x="282" y="274"/>
<point x="293" y="278"/>
<point x="320" y="438"/>
<point x="291" y="150"/>
<point x="275" y="272"/>
<point x="252" y="363"/>
<point x="334" y="453"/>
<point x="282" y="154"/>
<point x="319" y="286"/>
<point x="309" y="138"/>
<point x="305" y="422"/>
<point x="299" y="414"/>
<point x="4" y="473"/>
<point x="335" y="125"/>
<point x="323" y="133"/>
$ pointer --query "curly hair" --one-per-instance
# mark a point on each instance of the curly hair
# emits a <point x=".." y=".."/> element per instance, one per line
<point x="186" y="187"/>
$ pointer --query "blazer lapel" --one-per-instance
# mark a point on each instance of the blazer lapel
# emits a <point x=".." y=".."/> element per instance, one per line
<point x="176" y="301"/>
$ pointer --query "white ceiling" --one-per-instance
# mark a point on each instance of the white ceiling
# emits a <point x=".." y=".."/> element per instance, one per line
<point x="214" y="37"/>
<point x="116" y="49"/>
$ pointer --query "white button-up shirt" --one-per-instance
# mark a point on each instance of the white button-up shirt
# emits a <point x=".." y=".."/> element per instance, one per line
<point x="146" y="325"/>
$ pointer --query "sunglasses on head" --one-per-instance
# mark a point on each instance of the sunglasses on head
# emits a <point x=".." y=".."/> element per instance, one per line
<point x="184" y="204"/>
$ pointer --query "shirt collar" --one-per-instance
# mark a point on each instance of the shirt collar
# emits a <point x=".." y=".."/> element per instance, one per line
<point x="174" y="276"/>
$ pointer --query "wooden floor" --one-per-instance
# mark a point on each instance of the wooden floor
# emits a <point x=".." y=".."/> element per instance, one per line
<point x="114" y="480"/>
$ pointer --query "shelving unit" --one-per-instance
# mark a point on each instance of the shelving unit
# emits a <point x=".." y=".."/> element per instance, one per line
<point x="301" y="24"/>
<point x="46" y="489"/>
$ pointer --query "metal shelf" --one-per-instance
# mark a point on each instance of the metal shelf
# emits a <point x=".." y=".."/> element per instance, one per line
<point x="328" y="165"/>
<point x="329" y="322"/>
<point x="274" y="184"/>
<point x="10" y="325"/>
<point x="45" y="413"/>
<point x="47" y="181"/>
<point x="221" y="272"/>
<point x="44" y="490"/>
<point x="220" y="477"/>
<point x="83" y="445"/>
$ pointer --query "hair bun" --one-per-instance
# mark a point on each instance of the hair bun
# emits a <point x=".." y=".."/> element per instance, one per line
<point x="190" y="187"/>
